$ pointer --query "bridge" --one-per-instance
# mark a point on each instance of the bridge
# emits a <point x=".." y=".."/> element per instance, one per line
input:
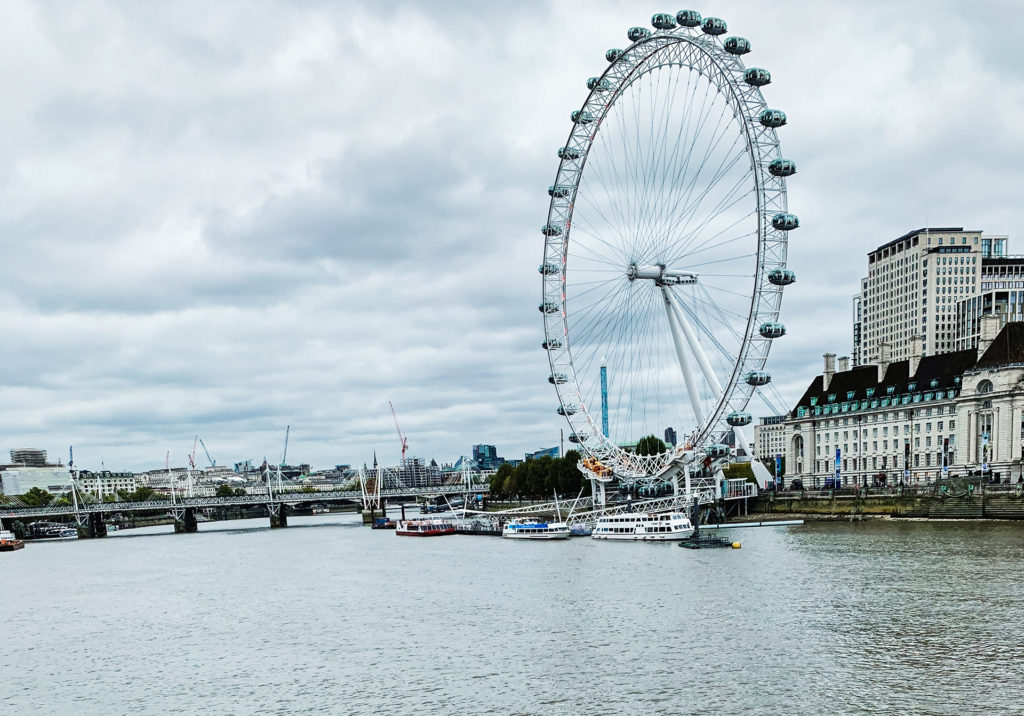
<point x="88" y="512"/>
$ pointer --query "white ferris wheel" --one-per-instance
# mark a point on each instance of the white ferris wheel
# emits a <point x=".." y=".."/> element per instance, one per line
<point x="665" y="248"/>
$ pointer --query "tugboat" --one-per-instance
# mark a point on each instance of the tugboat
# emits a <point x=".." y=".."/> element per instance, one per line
<point x="10" y="543"/>
<point x="383" y="523"/>
<point x="424" y="528"/>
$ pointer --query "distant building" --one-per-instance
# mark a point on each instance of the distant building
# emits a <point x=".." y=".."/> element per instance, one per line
<point x="106" y="482"/>
<point x="30" y="457"/>
<point x="486" y="456"/>
<point x="19" y="479"/>
<point x="770" y="437"/>
<point x="547" y="452"/>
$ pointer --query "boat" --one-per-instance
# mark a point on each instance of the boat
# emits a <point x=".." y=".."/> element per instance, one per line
<point x="383" y="523"/>
<point x="424" y="528"/>
<point x="68" y="532"/>
<point x="9" y="543"/>
<point x="525" y="528"/>
<point x="644" y="526"/>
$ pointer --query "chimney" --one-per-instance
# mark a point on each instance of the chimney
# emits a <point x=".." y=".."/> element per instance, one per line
<point x="884" y="356"/>
<point x="915" y="354"/>
<point x="830" y="369"/>
<point x="844" y="364"/>
<point x="990" y="325"/>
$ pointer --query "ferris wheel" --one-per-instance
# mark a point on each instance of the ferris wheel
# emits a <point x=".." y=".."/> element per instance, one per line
<point x="665" y="248"/>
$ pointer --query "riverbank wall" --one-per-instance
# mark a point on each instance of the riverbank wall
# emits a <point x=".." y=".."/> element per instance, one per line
<point x="1006" y="503"/>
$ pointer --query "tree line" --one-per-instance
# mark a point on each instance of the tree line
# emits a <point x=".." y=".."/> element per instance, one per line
<point x="540" y="478"/>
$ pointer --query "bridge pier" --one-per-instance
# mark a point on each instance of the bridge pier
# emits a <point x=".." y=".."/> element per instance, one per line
<point x="186" y="524"/>
<point x="93" y="528"/>
<point x="278" y="516"/>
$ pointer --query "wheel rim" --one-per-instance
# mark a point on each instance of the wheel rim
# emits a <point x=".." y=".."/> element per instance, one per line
<point x="658" y="197"/>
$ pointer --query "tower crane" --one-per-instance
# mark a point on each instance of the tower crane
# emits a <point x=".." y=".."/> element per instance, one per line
<point x="213" y="463"/>
<point x="401" y="438"/>
<point x="284" y="455"/>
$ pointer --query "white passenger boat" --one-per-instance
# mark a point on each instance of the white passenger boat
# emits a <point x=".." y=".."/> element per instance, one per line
<point x="525" y="528"/>
<point x="644" y="526"/>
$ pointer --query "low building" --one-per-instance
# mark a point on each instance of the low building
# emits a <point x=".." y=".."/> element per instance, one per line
<point x="106" y="482"/>
<point x="916" y="419"/>
<point x="19" y="479"/>
<point x="545" y="452"/>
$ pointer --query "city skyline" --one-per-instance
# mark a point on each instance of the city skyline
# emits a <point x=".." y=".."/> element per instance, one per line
<point x="223" y="224"/>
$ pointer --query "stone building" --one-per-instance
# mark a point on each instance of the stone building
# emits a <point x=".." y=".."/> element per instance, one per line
<point x="917" y="418"/>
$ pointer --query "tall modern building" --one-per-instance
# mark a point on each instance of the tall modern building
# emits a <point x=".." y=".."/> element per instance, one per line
<point x="913" y="288"/>
<point x="486" y="457"/>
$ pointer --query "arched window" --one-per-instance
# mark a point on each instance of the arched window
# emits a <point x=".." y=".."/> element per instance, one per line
<point x="984" y="386"/>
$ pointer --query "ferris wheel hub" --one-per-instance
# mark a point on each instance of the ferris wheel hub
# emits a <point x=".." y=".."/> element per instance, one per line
<point x="660" y="275"/>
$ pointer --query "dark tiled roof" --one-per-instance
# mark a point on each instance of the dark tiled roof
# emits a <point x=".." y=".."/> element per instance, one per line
<point x="922" y="230"/>
<point x="1008" y="347"/>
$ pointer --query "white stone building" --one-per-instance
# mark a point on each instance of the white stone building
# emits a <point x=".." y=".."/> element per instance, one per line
<point x="908" y="419"/>
<point x="770" y="437"/>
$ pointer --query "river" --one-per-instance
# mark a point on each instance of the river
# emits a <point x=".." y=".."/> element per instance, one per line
<point x="330" y="617"/>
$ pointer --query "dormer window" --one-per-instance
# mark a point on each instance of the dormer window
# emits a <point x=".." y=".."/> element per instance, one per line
<point x="934" y="383"/>
<point x="911" y="386"/>
<point x="831" y="397"/>
<point x="870" y="392"/>
<point x="849" y="394"/>
<point x="890" y="389"/>
<point x="814" y="401"/>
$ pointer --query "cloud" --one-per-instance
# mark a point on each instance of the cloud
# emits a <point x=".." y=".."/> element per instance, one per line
<point x="226" y="219"/>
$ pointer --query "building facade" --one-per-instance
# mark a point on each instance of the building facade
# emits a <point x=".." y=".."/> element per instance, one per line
<point x="770" y="437"/>
<point x="915" y="419"/>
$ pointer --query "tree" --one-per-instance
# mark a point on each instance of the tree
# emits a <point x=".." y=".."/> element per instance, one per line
<point x="225" y="491"/>
<point x="37" y="497"/>
<point x="650" y="445"/>
<point x="499" y="480"/>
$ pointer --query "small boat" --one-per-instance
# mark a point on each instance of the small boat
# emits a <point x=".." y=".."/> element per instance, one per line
<point x="525" y="528"/>
<point x="69" y="532"/>
<point x="643" y="526"/>
<point x="424" y="528"/>
<point x="10" y="543"/>
<point x="383" y="523"/>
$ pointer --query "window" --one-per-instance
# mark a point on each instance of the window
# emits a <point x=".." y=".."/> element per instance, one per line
<point x="984" y="387"/>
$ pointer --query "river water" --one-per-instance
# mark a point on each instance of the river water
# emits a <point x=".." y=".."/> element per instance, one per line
<point x="330" y="617"/>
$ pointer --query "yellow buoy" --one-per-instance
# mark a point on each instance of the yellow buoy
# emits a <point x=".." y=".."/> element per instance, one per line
<point x="735" y="545"/>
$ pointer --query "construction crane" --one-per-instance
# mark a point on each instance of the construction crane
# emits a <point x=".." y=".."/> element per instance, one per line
<point x="192" y="455"/>
<point x="401" y="438"/>
<point x="213" y="463"/>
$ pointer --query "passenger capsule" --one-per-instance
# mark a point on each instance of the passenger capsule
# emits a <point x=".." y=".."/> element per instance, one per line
<point x="581" y="116"/>
<point x="737" y="45"/>
<point x="567" y="410"/>
<point x="551" y="230"/>
<point x="568" y="153"/>
<point x="782" y="167"/>
<point x="599" y="84"/>
<point x="663" y="21"/>
<point x="773" y="118"/>
<point x="551" y="345"/>
<point x="772" y="330"/>
<point x="548" y="269"/>
<point x="714" y="26"/>
<point x="688" y="18"/>
<point x="613" y="55"/>
<point x="781" y="277"/>
<point x="574" y="438"/>
<point x="560" y="191"/>
<point x="785" y="222"/>
<point x="758" y="377"/>
<point x="738" y="420"/>
<point x="757" y="77"/>
<point x="548" y="307"/>
<point x="558" y="378"/>
<point x="636" y="34"/>
<point x="716" y="450"/>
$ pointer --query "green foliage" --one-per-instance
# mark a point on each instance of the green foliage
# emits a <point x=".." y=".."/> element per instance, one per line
<point x="308" y="488"/>
<point x="143" y="494"/>
<point x="650" y="445"/>
<point x="37" y="497"/>
<point x="499" y="480"/>
<point x="738" y="471"/>
<point x="225" y="491"/>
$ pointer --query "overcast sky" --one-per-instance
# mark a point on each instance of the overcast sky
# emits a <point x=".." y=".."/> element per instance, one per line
<point x="225" y="218"/>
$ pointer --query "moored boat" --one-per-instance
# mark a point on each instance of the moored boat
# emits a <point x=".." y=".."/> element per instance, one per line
<point x="424" y="528"/>
<point x="642" y="526"/>
<point x="525" y="528"/>
<point x="9" y="543"/>
<point x="383" y="523"/>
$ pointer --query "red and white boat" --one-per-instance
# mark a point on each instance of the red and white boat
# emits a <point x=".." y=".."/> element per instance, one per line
<point x="424" y="528"/>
